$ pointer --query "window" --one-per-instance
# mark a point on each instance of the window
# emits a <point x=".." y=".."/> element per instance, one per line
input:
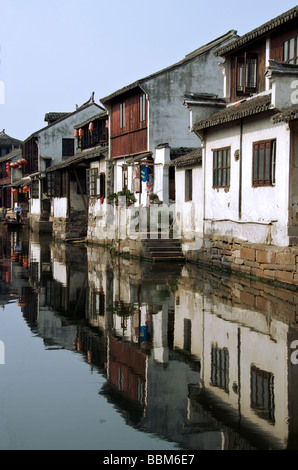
<point x="96" y="183"/>
<point x="262" y="393"/>
<point x="264" y="154"/>
<point x="67" y="147"/>
<point x="142" y="107"/>
<point x="221" y="167"/>
<point x="122" y="115"/>
<point x="124" y="178"/>
<point x="290" y="51"/>
<point x="220" y="368"/>
<point x="56" y="184"/>
<point x="35" y="189"/>
<point x="188" y="185"/>
<point x="92" y="181"/>
<point x="246" y="79"/>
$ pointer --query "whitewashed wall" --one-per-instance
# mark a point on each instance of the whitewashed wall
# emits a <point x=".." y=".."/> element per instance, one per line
<point x="264" y="209"/>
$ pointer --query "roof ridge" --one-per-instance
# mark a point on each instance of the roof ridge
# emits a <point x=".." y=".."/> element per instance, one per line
<point x="259" y="30"/>
<point x="187" y="58"/>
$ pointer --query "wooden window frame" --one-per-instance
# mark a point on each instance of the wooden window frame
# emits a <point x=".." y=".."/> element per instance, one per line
<point x="35" y="189"/>
<point x="290" y="57"/>
<point x="221" y="172"/>
<point x="56" y="184"/>
<point x="122" y="115"/>
<point x="142" y="107"/>
<point x="68" y="146"/>
<point x="263" y="166"/>
<point x="246" y="74"/>
<point x="96" y="183"/>
<point x="124" y="177"/>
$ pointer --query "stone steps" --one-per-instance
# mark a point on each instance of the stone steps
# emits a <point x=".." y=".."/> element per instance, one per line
<point x="164" y="250"/>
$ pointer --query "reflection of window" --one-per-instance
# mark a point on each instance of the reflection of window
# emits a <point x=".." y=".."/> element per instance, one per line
<point x="246" y="79"/>
<point x="187" y="335"/>
<point x="221" y="167"/>
<point x="262" y="393"/>
<point x="264" y="154"/>
<point x="140" y="393"/>
<point x="220" y="368"/>
<point x="120" y="380"/>
<point x="290" y="51"/>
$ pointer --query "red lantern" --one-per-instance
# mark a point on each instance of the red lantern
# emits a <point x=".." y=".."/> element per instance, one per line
<point x="81" y="133"/>
<point x="76" y="133"/>
<point x="14" y="165"/>
<point x="91" y="127"/>
<point x="7" y="167"/>
<point x="14" y="191"/>
<point x="22" y="161"/>
<point x="26" y="189"/>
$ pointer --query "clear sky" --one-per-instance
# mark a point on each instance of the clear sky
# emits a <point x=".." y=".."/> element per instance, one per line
<point x="55" y="53"/>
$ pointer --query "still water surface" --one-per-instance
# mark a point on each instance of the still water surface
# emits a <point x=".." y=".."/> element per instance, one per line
<point x="103" y="353"/>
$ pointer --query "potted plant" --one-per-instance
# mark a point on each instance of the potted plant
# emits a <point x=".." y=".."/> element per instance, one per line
<point x="127" y="194"/>
<point x="154" y="199"/>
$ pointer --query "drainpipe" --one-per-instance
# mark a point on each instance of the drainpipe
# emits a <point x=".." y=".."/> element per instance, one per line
<point x="240" y="172"/>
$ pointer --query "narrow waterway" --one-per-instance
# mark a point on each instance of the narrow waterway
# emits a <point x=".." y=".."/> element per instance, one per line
<point x="100" y="352"/>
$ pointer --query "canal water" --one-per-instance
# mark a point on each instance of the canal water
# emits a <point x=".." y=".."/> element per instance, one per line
<point x="98" y="352"/>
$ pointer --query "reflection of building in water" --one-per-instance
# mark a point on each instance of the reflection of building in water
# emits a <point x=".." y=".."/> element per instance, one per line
<point x="198" y="359"/>
<point x="239" y="331"/>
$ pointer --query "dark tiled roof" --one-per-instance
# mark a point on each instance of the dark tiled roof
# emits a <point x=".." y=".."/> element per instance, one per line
<point x="256" y="33"/>
<point x="51" y="117"/>
<point x="200" y="51"/>
<point x="11" y="155"/>
<point x="7" y="140"/>
<point x="101" y="115"/>
<point x="191" y="158"/>
<point x="239" y="110"/>
<point x="83" y="106"/>
<point x="85" y="155"/>
<point x="286" y="116"/>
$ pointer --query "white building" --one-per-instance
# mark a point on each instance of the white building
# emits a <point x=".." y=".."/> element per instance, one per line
<point x="50" y="146"/>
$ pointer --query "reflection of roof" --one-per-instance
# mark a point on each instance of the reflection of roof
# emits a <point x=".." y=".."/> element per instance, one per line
<point x="191" y="158"/>
<point x="85" y="155"/>
<point x="256" y="33"/>
<point x="192" y="55"/>
<point x="7" y="140"/>
<point x="236" y="111"/>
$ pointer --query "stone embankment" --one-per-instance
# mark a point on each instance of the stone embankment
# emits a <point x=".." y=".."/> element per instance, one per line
<point x="272" y="263"/>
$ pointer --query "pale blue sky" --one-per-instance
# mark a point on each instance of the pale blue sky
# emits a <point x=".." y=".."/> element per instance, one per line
<point x="54" y="54"/>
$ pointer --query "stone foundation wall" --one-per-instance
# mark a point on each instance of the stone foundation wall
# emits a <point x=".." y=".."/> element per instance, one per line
<point x="274" y="263"/>
<point x="74" y="227"/>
